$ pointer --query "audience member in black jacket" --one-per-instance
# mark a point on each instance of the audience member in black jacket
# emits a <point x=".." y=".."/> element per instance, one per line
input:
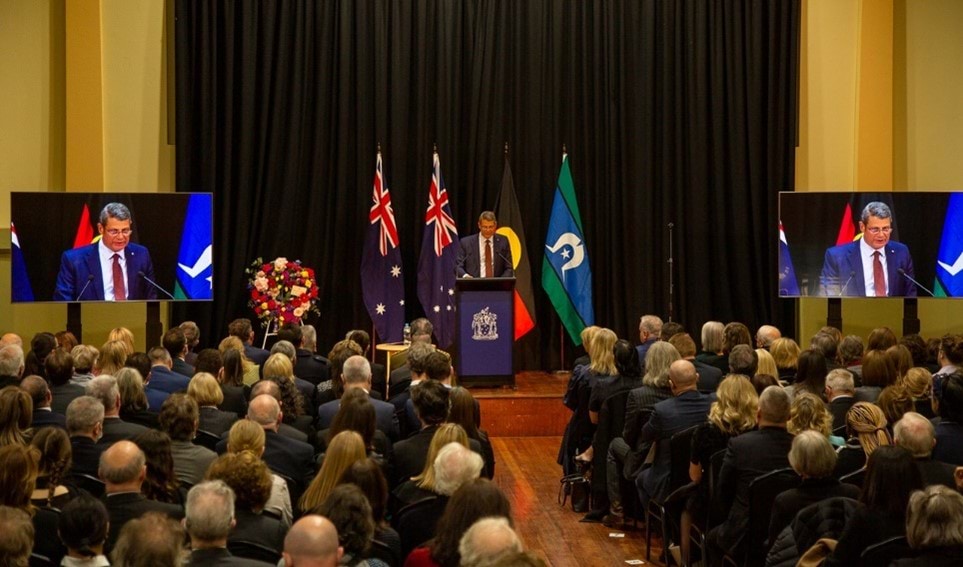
<point x="915" y="434"/>
<point x="866" y="430"/>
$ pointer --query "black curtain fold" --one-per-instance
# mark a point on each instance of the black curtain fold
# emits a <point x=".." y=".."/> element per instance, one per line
<point x="671" y="111"/>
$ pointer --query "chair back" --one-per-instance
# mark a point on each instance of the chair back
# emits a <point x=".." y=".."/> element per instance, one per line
<point x="206" y="439"/>
<point x="612" y="414"/>
<point x="253" y="550"/>
<point x="416" y="522"/>
<point x="381" y="550"/>
<point x="93" y="485"/>
<point x="680" y="447"/>
<point x="762" y="495"/>
<point x="715" y="515"/>
<point x="855" y="477"/>
<point x="886" y="551"/>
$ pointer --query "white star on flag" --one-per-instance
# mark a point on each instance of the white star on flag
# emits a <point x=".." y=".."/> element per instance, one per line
<point x="401" y="303"/>
<point x="565" y="253"/>
<point x="380" y="308"/>
<point x="448" y="308"/>
<point x="436" y="309"/>
<point x="451" y="291"/>
<point x="395" y="271"/>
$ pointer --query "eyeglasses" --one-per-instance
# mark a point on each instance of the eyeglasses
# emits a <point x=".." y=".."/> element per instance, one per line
<point x="876" y="230"/>
<point x="118" y="232"/>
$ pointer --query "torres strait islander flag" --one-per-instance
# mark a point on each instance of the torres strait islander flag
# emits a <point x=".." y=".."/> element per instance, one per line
<point x="510" y="226"/>
<point x="436" y="265"/>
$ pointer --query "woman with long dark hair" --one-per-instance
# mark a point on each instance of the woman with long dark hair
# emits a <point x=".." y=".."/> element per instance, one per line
<point x="463" y="413"/>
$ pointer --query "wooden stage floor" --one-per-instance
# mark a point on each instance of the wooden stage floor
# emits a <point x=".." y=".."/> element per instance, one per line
<point x="526" y="470"/>
<point x="533" y="409"/>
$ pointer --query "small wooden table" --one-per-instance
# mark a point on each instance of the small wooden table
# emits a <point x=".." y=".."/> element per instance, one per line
<point x="390" y="349"/>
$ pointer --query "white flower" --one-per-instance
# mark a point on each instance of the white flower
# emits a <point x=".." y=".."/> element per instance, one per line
<point x="280" y="263"/>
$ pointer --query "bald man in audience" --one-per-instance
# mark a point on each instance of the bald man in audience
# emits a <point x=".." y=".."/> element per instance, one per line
<point x="271" y="388"/>
<point x="312" y="542"/>
<point x="123" y="468"/>
<point x="11" y="339"/>
<point x="749" y="456"/>
<point x="765" y="335"/>
<point x="39" y="392"/>
<point x="915" y="434"/>
<point x="686" y="408"/>
<point x="488" y="540"/>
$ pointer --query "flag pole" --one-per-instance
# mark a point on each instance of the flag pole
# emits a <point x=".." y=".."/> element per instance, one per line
<point x="561" y="348"/>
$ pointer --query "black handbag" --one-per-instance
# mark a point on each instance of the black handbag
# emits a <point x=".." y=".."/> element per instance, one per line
<point x="579" y="488"/>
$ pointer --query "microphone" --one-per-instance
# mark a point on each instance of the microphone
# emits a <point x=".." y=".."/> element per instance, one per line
<point x="842" y="290"/>
<point x="90" y="278"/>
<point x="903" y="273"/>
<point x="153" y="283"/>
<point x="504" y="259"/>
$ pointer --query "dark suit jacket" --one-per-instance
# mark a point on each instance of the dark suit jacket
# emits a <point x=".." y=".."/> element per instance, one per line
<point x="668" y="418"/>
<point x="77" y="265"/>
<point x="213" y="420"/>
<point x="312" y="367"/>
<point x="709" y="376"/>
<point x="949" y="443"/>
<point x="410" y="454"/>
<point x="46" y="418"/>
<point x="256" y="355"/>
<point x="748" y="456"/>
<point x="640" y="399"/>
<point x="841" y="261"/>
<point x="935" y="472"/>
<point x="116" y="429"/>
<point x="384" y="413"/>
<point x="128" y="506"/>
<point x="838" y="407"/>
<point x="235" y="399"/>
<point x="219" y="557"/>
<point x="809" y="491"/>
<point x="166" y="380"/>
<point x="182" y="368"/>
<point x="287" y="457"/>
<point x="62" y="395"/>
<point x="86" y="455"/>
<point x="468" y="262"/>
<point x="258" y="528"/>
<point x="643" y="350"/>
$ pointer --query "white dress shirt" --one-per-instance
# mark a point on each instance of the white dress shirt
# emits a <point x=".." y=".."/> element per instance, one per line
<point x="107" y="270"/>
<point x="866" y="253"/>
<point x="481" y="256"/>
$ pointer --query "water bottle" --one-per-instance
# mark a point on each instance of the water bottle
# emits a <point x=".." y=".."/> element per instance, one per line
<point x="407" y="334"/>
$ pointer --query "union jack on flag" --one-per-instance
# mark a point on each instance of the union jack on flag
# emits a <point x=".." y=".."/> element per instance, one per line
<point x="382" y="282"/>
<point x="436" y="266"/>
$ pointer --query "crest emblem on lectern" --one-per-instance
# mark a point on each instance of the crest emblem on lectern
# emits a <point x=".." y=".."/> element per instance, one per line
<point x="484" y="326"/>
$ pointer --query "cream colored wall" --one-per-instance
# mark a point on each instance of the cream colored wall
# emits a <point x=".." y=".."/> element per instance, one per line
<point x="33" y="132"/>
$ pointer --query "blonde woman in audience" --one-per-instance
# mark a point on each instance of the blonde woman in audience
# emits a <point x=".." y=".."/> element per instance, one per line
<point x="344" y="450"/>
<point x="423" y="486"/>
<point x="248" y="436"/>
<point x="16" y="415"/>
<point x="251" y="371"/>
<point x="866" y="430"/>
<point x="85" y="360"/>
<point x="934" y="527"/>
<point x="581" y="426"/>
<point x="767" y="364"/>
<point x="809" y="413"/>
<point x="133" y="399"/>
<point x="918" y="384"/>
<point x="125" y="336"/>
<point x="711" y="352"/>
<point x="205" y="390"/>
<point x="113" y="356"/>
<point x="894" y="402"/>
<point x="785" y="353"/>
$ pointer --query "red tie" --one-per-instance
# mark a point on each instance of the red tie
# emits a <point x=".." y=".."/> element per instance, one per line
<point x="879" y="279"/>
<point x="488" y="258"/>
<point x="119" y="291"/>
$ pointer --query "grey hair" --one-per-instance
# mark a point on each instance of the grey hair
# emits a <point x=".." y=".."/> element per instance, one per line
<point x="309" y="337"/>
<point x="934" y="518"/>
<point x="117" y="211"/>
<point x="105" y="389"/>
<point x="83" y="413"/>
<point x="650" y="323"/>
<point x="454" y="466"/>
<point x="209" y="510"/>
<point x="487" y="215"/>
<point x="264" y="413"/>
<point x="915" y="433"/>
<point x="356" y="370"/>
<point x="840" y="380"/>
<point x="712" y="336"/>
<point x="774" y="404"/>
<point x="85" y="357"/>
<point x="286" y="348"/>
<point x="11" y="359"/>
<point x="487" y="541"/>
<point x="876" y="209"/>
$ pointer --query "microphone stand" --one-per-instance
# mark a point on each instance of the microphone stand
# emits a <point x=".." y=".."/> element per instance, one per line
<point x="671" y="281"/>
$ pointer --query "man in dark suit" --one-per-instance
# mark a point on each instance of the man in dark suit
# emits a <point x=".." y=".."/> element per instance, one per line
<point x="43" y="416"/>
<point x="650" y="331"/>
<point x="873" y="266"/>
<point x="300" y="430"/>
<point x="357" y="374"/>
<point x="485" y="254"/>
<point x="915" y="433"/>
<point x="162" y="381"/>
<point x="687" y="407"/>
<point x="113" y="269"/>
<point x="59" y="366"/>
<point x="85" y="425"/>
<point x="312" y="540"/>
<point x="709" y="376"/>
<point x="839" y="392"/>
<point x="209" y="515"/>
<point x="192" y="334"/>
<point x="105" y="389"/>
<point x="176" y="344"/>
<point x="123" y="468"/>
<point x="241" y="328"/>
<point x="308" y="364"/>
<point x="748" y="456"/>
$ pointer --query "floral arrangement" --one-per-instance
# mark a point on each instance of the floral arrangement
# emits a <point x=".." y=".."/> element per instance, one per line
<point x="282" y="291"/>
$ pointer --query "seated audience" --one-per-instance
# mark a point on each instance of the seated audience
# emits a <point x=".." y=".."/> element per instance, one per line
<point x="192" y="335"/>
<point x="409" y="375"/>
<point x="309" y="365"/>
<point x="39" y="392"/>
<point x="16" y="415"/>
<point x="208" y="360"/>
<point x="41" y="345"/>
<point x="902" y="359"/>
<point x="748" y="456"/>
<point x="487" y="541"/>
<point x="245" y="435"/>
<point x="650" y="331"/>
<point x="894" y="402"/>
<point x="577" y="439"/>
<point x="65" y="340"/>
<point x="473" y="501"/>
<point x="356" y="413"/>
<point x="251" y="370"/>
<point x="711" y="353"/>
<point x="881" y="338"/>
<point x="18" y="535"/>
<point x="377" y="370"/>
<point x="785" y="352"/>
<point x="175" y="342"/>
<point x="431" y="404"/>
<point x="83" y="531"/>
<point x="878" y="371"/>
<point x="133" y="399"/>
<point x="918" y="384"/>
<point x="205" y="390"/>
<point x="811" y="371"/>
<point x="809" y="413"/>
<point x="350" y="512"/>
<point x="762" y="381"/>
<point x="840" y="390"/>
<point x="813" y="459"/>
<point x="850" y="356"/>
<point x="297" y="395"/>
<point x="827" y="344"/>
<point x="424" y="485"/>
<point x="125" y="336"/>
<point x="58" y="370"/>
<point x="250" y="479"/>
<point x="743" y="360"/>
<point x="891" y="476"/>
<point x="917" y="348"/>
<point x="345" y="449"/>
<point x="949" y="359"/>
<point x="163" y="381"/>
<point x="865" y="431"/>
<point x="153" y="539"/>
<point x="735" y="334"/>
<point x="139" y="361"/>
<point x="161" y="483"/>
<point x="113" y="356"/>
<point x="209" y="519"/>
<point x="179" y="418"/>
<point x="330" y="389"/>
<point x="273" y="388"/>
<point x="949" y="431"/>
<point x="11" y="365"/>
<point x="934" y="528"/>
<point x="123" y="468"/>
<point x="366" y="474"/>
<point x="627" y="375"/>
<point x="231" y="379"/>
<point x="464" y="412"/>
<point x="85" y="425"/>
<point x="242" y="330"/>
<point x="18" y="480"/>
<point x="105" y="389"/>
<point x="53" y="465"/>
<point x="709" y="376"/>
<point x="767" y="364"/>
<point x="356" y="374"/>
<point x="766" y="335"/>
<point x="915" y="434"/>
<point x="312" y="542"/>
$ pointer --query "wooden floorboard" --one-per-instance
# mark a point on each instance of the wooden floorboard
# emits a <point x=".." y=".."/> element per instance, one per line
<point x="526" y="470"/>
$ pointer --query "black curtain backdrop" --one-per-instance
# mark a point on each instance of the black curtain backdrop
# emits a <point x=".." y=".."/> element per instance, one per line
<point x="671" y="111"/>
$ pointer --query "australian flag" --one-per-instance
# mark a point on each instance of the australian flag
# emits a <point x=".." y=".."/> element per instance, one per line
<point x="788" y="285"/>
<point x="18" y="269"/>
<point x="382" y="282"/>
<point x="436" y="266"/>
<point x="195" y="268"/>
